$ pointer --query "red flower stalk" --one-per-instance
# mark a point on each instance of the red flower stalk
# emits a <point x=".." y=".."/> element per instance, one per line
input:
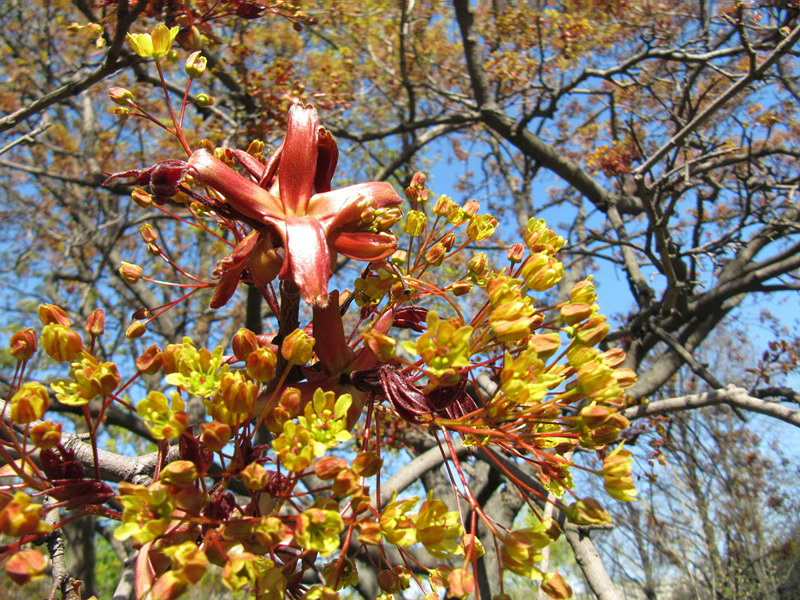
<point x="299" y="223"/>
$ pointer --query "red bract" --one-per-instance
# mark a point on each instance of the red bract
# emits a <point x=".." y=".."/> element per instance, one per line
<point x="299" y="223"/>
<point x="409" y="401"/>
<point x="293" y="207"/>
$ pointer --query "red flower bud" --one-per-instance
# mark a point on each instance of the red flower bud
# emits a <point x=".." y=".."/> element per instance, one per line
<point x="367" y="464"/>
<point x="29" y="403"/>
<point x="23" y="344"/>
<point x="120" y="96"/>
<point x="516" y="253"/>
<point x="46" y="435"/>
<point x="50" y="313"/>
<point x="148" y="233"/>
<point x="261" y="364"/>
<point x="96" y="323"/>
<point x="25" y="565"/>
<point x="130" y="273"/>
<point x="244" y="342"/>
<point x="448" y="241"/>
<point x="215" y="435"/>
<point x="142" y="198"/>
<point x="298" y="347"/>
<point x="151" y="360"/>
<point x="329" y="467"/>
<point x="435" y="254"/>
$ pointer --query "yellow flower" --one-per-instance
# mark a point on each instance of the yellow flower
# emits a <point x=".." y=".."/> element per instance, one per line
<point x="246" y="569"/>
<point x="197" y="371"/>
<point x="444" y="346"/>
<point x="155" y="44"/>
<point x="318" y="529"/>
<point x="415" y="223"/>
<point x="147" y="511"/>
<point x="618" y="476"/>
<point x="196" y="64"/>
<point x="46" y="435"/>
<point x="235" y="400"/>
<point x="439" y="531"/>
<point x="555" y="587"/>
<point x="90" y="378"/>
<point x="326" y="418"/>
<point x="541" y="271"/>
<point x="294" y="446"/>
<point x="188" y="561"/>
<point x="539" y="238"/>
<point x="522" y="548"/>
<point x="588" y="512"/>
<point x="19" y="516"/>
<point x="397" y="526"/>
<point x="29" y="403"/>
<point x="60" y="342"/>
<point x="298" y="347"/>
<point x="481" y="227"/>
<point x="164" y="421"/>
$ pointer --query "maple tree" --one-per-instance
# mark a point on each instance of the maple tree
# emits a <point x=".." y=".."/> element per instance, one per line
<point x="351" y="318"/>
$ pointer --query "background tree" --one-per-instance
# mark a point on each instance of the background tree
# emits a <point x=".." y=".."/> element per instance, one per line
<point x="717" y="516"/>
<point x="664" y="132"/>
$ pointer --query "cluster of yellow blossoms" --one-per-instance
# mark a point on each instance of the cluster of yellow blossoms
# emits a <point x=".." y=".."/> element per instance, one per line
<point x="241" y="506"/>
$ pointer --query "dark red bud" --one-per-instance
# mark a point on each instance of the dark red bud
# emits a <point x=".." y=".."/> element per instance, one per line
<point x="249" y="10"/>
<point x="163" y="178"/>
<point x="61" y="464"/>
<point x="444" y="396"/>
<point x="410" y="317"/>
<point x="220" y="507"/>
<point x="166" y="177"/>
<point x="406" y="398"/>
<point x="77" y="493"/>
<point x="192" y="450"/>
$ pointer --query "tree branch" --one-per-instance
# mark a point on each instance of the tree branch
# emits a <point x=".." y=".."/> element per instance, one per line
<point x="590" y="563"/>
<point x="113" y="466"/>
<point x="731" y="395"/>
<point x="110" y="65"/>
<point x="720" y="101"/>
<point x="523" y="139"/>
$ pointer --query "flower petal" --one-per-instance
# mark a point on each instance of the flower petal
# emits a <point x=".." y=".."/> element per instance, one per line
<point x="308" y="259"/>
<point x="364" y="246"/>
<point x="338" y="208"/>
<point x="230" y="270"/>
<point x="265" y="261"/>
<point x="299" y="160"/>
<point x="327" y="157"/>
<point x="261" y="172"/>
<point x="242" y="194"/>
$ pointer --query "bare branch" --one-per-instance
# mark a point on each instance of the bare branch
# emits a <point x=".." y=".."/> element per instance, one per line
<point x="590" y="563"/>
<point x="113" y="466"/>
<point x="730" y="395"/>
<point x="115" y="60"/>
<point x="720" y="101"/>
